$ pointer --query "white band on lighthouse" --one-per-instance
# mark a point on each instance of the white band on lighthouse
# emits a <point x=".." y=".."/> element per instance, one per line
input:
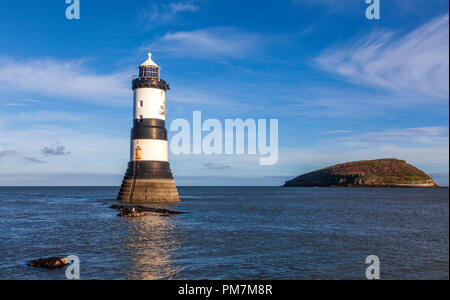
<point x="149" y="103"/>
<point x="154" y="150"/>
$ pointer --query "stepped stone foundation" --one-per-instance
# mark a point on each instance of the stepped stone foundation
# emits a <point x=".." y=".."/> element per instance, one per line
<point x="148" y="191"/>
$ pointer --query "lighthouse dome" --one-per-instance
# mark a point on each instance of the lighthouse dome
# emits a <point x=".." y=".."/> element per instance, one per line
<point x="149" y="61"/>
<point x="149" y="69"/>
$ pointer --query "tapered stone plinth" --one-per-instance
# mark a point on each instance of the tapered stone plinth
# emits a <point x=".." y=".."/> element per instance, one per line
<point x="148" y="191"/>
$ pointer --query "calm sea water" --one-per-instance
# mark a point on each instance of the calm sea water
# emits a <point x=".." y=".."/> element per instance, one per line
<point x="229" y="233"/>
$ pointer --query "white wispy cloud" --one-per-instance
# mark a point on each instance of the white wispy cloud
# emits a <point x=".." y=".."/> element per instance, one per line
<point x="63" y="79"/>
<point x="60" y="178"/>
<point x="14" y="104"/>
<point x="167" y="12"/>
<point x="29" y="100"/>
<point x="24" y="102"/>
<point x="412" y="137"/>
<point x="210" y="42"/>
<point x="416" y="63"/>
<point x="423" y="146"/>
<point x="42" y="117"/>
<point x="338" y="131"/>
<point x="32" y="143"/>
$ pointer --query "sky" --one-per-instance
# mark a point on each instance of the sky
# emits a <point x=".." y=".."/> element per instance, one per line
<point x="342" y="87"/>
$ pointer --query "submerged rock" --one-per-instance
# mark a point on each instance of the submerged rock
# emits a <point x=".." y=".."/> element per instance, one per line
<point x="117" y="206"/>
<point x="49" y="263"/>
<point x="131" y="213"/>
<point x="139" y="209"/>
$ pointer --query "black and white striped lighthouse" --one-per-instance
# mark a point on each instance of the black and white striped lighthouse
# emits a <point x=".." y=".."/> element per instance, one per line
<point x="148" y="177"/>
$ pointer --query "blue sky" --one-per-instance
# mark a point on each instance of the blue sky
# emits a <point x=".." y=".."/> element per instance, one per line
<point x="343" y="87"/>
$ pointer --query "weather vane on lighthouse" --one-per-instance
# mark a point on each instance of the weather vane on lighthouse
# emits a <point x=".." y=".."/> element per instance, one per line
<point x="148" y="177"/>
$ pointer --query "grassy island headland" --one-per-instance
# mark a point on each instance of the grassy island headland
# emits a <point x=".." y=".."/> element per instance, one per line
<point x="387" y="172"/>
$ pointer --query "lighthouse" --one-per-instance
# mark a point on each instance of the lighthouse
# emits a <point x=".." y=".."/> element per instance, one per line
<point x="148" y="177"/>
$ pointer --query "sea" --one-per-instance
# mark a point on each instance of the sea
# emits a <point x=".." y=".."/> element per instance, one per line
<point x="229" y="233"/>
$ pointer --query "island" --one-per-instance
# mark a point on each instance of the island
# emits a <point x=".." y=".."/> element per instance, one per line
<point x="387" y="172"/>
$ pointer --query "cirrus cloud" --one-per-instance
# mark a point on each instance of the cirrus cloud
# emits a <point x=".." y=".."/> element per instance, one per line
<point x="415" y="64"/>
<point x="210" y="42"/>
<point x="63" y="79"/>
<point x="166" y="12"/>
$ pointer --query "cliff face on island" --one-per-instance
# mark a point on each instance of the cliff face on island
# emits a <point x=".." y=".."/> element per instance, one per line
<point x="387" y="172"/>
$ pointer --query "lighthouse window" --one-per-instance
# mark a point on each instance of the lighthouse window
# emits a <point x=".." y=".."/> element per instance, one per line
<point x="141" y="103"/>
<point x="149" y="72"/>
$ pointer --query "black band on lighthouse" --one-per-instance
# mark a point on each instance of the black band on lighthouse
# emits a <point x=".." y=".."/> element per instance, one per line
<point x="148" y="169"/>
<point x="144" y="82"/>
<point x="149" y="129"/>
<point x="149" y="122"/>
<point x="152" y="133"/>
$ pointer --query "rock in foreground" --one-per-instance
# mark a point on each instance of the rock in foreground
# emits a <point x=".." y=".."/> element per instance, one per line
<point x="49" y="263"/>
<point x="387" y="172"/>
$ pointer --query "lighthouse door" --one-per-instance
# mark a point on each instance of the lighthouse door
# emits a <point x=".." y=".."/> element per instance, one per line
<point x="138" y="153"/>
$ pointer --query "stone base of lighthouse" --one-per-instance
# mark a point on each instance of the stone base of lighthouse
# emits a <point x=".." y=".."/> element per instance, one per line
<point x="148" y="191"/>
<point x="148" y="182"/>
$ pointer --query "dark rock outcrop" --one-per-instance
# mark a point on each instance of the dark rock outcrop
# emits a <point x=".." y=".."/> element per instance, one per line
<point x="139" y="211"/>
<point x="127" y="213"/>
<point x="387" y="172"/>
<point x="49" y="263"/>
